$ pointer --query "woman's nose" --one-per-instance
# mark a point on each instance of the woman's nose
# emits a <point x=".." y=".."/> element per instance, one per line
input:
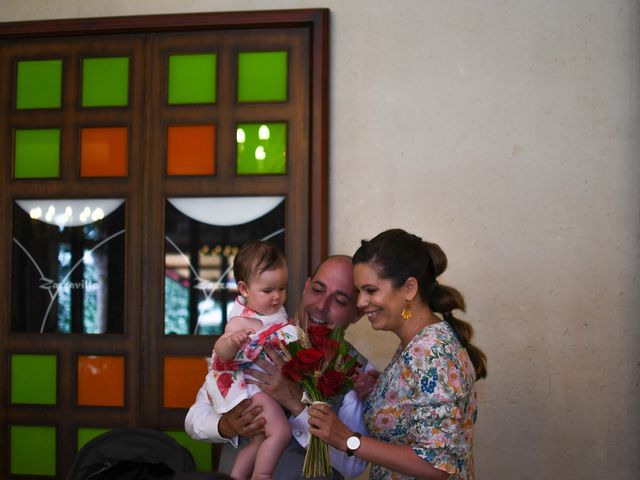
<point x="361" y="301"/>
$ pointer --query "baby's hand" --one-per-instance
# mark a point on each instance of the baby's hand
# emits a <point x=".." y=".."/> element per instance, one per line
<point x="363" y="383"/>
<point x="237" y="339"/>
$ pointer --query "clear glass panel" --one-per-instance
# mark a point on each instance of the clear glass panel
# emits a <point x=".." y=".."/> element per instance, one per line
<point x="68" y="266"/>
<point x="201" y="239"/>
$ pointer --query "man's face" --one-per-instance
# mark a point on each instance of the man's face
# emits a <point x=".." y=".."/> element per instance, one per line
<point x="329" y="297"/>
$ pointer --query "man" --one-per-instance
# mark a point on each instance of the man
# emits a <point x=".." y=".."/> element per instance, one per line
<point x="328" y="299"/>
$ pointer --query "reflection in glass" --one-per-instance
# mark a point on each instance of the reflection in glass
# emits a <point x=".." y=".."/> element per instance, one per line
<point x="68" y="266"/>
<point x="201" y="241"/>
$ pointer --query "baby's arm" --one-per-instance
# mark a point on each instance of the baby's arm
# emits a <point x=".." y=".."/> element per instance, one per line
<point x="235" y="335"/>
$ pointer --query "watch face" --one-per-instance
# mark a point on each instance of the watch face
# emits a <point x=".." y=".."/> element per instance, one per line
<point x="353" y="443"/>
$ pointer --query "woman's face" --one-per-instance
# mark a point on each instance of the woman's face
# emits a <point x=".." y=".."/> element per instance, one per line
<point x="377" y="298"/>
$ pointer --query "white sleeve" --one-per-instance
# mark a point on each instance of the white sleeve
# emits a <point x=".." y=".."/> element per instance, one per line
<point x="300" y="427"/>
<point x="350" y="414"/>
<point x="201" y="422"/>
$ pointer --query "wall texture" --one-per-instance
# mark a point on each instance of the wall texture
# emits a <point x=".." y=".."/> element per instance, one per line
<point x="507" y="132"/>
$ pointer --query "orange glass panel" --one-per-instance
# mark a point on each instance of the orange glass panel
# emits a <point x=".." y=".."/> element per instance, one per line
<point x="101" y="380"/>
<point x="191" y="150"/>
<point x="182" y="378"/>
<point x="103" y="152"/>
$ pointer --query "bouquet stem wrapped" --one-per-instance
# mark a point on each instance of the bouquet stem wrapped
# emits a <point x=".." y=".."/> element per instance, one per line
<point x="320" y="362"/>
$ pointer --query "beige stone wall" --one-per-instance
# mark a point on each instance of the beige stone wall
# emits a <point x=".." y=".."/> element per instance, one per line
<point x="506" y="131"/>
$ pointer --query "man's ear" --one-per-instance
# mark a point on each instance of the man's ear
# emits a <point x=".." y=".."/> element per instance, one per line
<point x="307" y="283"/>
<point x="242" y="288"/>
<point x="410" y="288"/>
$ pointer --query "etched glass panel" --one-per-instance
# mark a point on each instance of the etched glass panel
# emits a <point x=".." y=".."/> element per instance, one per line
<point x="68" y="266"/>
<point x="202" y="237"/>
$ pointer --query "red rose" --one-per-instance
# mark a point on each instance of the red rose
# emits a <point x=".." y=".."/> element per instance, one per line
<point x="327" y="346"/>
<point x="309" y="359"/>
<point x="303" y="363"/>
<point x="318" y="331"/>
<point x="331" y="383"/>
<point x="292" y="371"/>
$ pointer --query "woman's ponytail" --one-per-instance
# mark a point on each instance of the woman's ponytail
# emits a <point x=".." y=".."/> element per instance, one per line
<point x="445" y="300"/>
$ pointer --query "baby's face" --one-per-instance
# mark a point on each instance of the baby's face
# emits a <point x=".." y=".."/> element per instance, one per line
<point x="267" y="292"/>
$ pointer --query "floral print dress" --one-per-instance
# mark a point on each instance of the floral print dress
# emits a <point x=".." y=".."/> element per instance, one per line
<point x="426" y="398"/>
<point x="225" y="383"/>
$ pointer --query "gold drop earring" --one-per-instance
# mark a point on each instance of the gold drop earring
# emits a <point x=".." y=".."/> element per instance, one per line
<point x="406" y="311"/>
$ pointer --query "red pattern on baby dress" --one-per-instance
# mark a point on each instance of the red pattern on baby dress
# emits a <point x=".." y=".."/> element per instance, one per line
<point x="224" y="382"/>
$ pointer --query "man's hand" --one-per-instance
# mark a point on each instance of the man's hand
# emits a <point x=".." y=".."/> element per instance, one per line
<point x="241" y="420"/>
<point x="271" y="381"/>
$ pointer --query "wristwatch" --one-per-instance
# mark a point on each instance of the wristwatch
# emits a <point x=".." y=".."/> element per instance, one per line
<point x="353" y="444"/>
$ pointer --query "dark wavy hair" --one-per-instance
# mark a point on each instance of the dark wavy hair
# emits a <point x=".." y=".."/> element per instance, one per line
<point x="397" y="255"/>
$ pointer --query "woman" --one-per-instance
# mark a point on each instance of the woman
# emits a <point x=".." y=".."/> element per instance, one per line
<point x="420" y="415"/>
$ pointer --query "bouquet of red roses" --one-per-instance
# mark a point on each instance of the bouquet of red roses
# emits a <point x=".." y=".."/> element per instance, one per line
<point x="320" y="361"/>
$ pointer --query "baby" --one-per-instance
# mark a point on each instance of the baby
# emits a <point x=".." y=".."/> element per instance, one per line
<point x="257" y="318"/>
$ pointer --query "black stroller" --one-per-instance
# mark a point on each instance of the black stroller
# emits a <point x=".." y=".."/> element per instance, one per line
<point x="131" y="453"/>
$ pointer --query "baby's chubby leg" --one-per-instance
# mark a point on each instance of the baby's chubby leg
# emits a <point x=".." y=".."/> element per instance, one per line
<point x="278" y="435"/>
<point x="246" y="459"/>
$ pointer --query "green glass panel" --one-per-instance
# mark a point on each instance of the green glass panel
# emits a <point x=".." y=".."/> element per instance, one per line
<point x="33" y="450"/>
<point x="39" y="84"/>
<point x="37" y="153"/>
<point x="85" y="435"/>
<point x="262" y="77"/>
<point x="201" y="451"/>
<point x="262" y="148"/>
<point x="105" y="82"/>
<point x="33" y="379"/>
<point x="192" y="78"/>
